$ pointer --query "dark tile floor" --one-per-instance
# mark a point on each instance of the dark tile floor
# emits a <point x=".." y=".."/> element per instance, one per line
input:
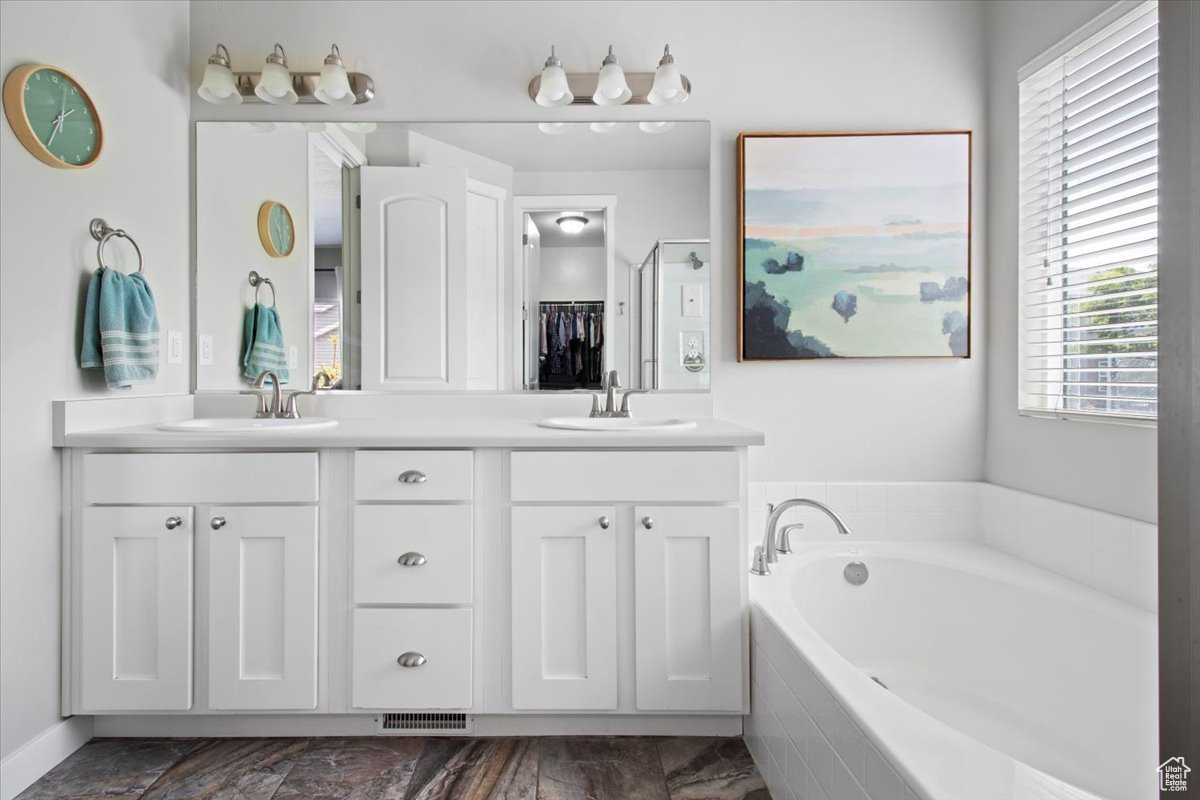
<point x="393" y="768"/>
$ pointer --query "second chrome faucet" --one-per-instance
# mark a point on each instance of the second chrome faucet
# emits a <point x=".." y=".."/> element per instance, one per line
<point x="611" y="384"/>
<point x="765" y="554"/>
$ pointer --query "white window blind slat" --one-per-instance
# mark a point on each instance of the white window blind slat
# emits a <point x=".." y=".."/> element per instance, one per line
<point x="1088" y="217"/>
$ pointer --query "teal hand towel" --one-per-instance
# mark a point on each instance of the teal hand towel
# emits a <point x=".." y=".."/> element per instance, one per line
<point x="263" y="349"/>
<point x="120" y="329"/>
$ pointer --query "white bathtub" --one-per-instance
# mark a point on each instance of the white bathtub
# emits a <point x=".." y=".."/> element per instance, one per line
<point x="1003" y="680"/>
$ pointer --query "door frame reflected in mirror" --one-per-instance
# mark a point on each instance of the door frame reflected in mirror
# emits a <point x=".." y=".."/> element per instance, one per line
<point x="531" y="204"/>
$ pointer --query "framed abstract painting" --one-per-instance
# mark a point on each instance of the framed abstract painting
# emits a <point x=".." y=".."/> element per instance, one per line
<point x="854" y="245"/>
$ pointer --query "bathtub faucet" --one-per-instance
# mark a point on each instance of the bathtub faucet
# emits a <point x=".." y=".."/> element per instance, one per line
<point x="765" y="553"/>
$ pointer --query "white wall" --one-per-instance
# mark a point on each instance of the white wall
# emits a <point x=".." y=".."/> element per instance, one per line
<point x="239" y="168"/>
<point x="1105" y="466"/>
<point x="127" y="55"/>
<point x="755" y="66"/>
<point x="572" y="273"/>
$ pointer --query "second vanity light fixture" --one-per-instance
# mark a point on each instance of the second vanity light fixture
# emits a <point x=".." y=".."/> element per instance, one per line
<point x="278" y="85"/>
<point x="612" y="86"/>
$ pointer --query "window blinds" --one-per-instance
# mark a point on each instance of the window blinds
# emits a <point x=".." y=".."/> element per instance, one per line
<point x="1089" y="225"/>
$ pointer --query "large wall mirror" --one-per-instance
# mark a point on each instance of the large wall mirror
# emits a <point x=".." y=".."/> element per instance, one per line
<point x="467" y="256"/>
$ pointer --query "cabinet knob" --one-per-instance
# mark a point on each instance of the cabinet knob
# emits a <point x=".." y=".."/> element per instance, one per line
<point x="647" y="523"/>
<point x="216" y="523"/>
<point x="411" y="560"/>
<point x="604" y="522"/>
<point x="411" y="659"/>
<point x="413" y="476"/>
<point x="174" y="522"/>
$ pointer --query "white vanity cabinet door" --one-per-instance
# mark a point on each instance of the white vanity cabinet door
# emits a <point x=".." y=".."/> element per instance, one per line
<point x="564" y="601"/>
<point x="262" y="601"/>
<point x="688" y="577"/>
<point x="414" y="278"/>
<point x="136" y="587"/>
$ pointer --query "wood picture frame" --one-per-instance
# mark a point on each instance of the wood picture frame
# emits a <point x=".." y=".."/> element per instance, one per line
<point x="887" y="226"/>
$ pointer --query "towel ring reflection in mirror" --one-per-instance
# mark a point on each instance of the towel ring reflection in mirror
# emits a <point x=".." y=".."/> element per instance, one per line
<point x="101" y="232"/>
<point x="257" y="282"/>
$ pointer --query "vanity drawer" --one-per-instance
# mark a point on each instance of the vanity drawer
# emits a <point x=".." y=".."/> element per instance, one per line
<point x="199" y="478"/>
<point x="439" y="537"/>
<point x="442" y="636"/>
<point x="401" y="475"/>
<point x="627" y="476"/>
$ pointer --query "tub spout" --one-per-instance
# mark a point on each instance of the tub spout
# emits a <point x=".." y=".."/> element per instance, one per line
<point x="766" y="554"/>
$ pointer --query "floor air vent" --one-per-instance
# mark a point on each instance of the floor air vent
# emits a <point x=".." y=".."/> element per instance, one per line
<point x="423" y="723"/>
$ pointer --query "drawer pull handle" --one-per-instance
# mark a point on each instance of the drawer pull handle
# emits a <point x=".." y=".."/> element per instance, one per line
<point x="411" y="659"/>
<point x="413" y="476"/>
<point x="174" y="522"/>
<point x="217" y="523"/>
<point x="604" y="522"/>
<point x="647" y="523"/>
<point x="411" y="560"/>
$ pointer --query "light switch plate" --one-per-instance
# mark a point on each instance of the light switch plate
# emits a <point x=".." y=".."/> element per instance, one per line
<point x="293" y="356"/>
<point x="174" y="347"/>
<point x="693" y="299"/>
<point x="205" y="356"/>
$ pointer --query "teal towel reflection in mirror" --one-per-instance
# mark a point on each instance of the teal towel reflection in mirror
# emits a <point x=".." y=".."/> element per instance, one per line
<point x="263" y="349"/>
<point x="120" y="329"/>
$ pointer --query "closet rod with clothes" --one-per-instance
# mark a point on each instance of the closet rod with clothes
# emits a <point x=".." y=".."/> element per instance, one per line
<point x="571" y="343"/>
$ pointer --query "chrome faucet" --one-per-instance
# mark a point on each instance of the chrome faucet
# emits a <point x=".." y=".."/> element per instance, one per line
<point x="765" y="554"/>
<point x="277" y="408"/>
<point x="611" y="384"/>
<point x="264" y="411"/>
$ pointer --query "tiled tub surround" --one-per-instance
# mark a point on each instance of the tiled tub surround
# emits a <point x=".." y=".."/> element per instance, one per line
<point x="1116" y="555"/>
<point x="820" y="728"/>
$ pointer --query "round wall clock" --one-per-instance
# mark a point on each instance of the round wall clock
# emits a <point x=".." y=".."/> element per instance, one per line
<point x="52" y="116"/>
<point x="275" y="229"/>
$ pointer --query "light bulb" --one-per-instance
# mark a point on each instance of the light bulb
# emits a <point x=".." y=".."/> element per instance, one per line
<point x="275" y="83"/>
<point x="572" y="223"/>
<point x="219" y="85"/>
<point x="554" y="89"/>
<point x="554" y="128"/>
<point x="655" y="127"/>
<point x="668" y="88"/>
<point x="611" y="88"/>
<point x="333" y="87"/>
<point x="603" y="127"/>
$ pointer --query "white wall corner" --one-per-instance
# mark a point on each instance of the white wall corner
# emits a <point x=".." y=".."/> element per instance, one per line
<point x="42" y="754"/>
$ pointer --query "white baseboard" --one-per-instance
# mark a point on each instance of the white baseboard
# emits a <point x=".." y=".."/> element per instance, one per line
<point x="41" y="755"/>
<point x="364" y="725"/>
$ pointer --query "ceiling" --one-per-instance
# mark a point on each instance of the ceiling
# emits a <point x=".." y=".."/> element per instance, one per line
<point x="553" y="236"/>
<point x="524" y="147"/>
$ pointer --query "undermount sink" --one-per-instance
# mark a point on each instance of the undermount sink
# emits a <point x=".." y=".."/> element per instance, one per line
<point x="616" y="424"/>
<point x="246" y="425"/>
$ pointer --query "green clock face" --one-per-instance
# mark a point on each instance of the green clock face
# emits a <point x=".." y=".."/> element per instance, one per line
<point x="61" y="117"/>
<point x="280" y="226"/>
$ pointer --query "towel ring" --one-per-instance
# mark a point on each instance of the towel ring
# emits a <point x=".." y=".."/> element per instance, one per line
<point x="101" y="232"/>
<point x="257" y="282"/>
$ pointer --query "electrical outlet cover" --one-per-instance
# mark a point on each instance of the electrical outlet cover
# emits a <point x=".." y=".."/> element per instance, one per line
<point x="174" y="347"/>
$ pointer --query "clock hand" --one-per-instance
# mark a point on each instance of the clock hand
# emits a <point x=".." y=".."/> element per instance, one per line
<point x="57" y="127"/>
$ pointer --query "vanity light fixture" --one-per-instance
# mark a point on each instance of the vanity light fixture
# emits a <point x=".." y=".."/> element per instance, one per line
<point x="572" y="223"/>
<point x="278" y="85"/>
<point x="668" y="88"/>
<point x="656" y="127"/>
<point x="554" y="128"/>
<point x="219" y="85"/>
<point x="604" y="127"/>
<point x="333" y="87"/>
<point x="275" y="85"/>
<point x="554" y="89"/>
<point x="611" y="86"/>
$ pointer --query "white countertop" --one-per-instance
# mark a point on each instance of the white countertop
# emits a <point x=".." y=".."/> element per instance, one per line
<point x="417" y="433"/>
